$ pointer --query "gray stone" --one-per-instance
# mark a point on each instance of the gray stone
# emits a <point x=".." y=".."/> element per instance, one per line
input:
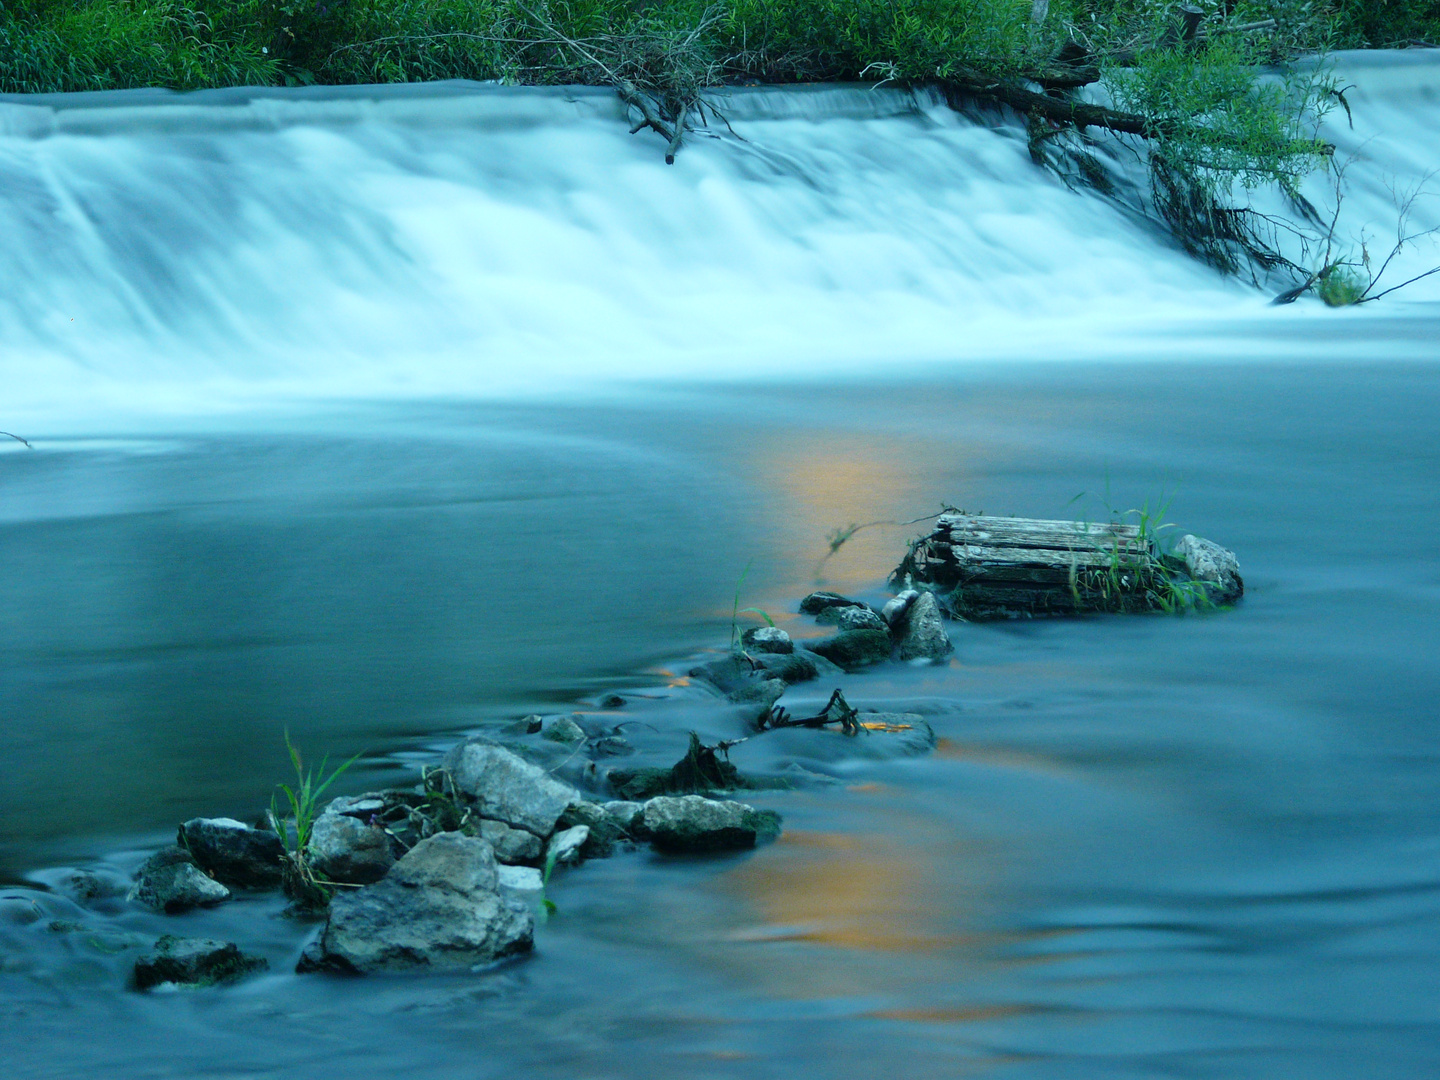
<point x="233" y="852"/>
<point x="194" y="962"/>
<point x="604" y="829"/>
<point x="852" y="618"/>
<point x="565" y="845"/>
<point x="854" y="649"/>
<point x="924" y="637"/>
<point x="359" y="806"/>
<point x="695" y="823"/>
<point x="894" y="610"/>
<point x="740" y="680"/>
<point x="564" y="730"/>
<point x="762" y="692"/>
<point x="817" y="602"/>
<point x="511" y="845"/>
<point x="520" y="878"/>
<point x="169" y="881"/>
<point x="613" y="746"/>
<point x="439" y="908"/>
<point x="529" y="725"/>
<point x="767" y="639"/>
<point x="508" y="788"/>
<point x="788" y="667"/>
<point x="345" y="849"/>
<point x="1213" y="566"/>
<point x="624" y="813"/>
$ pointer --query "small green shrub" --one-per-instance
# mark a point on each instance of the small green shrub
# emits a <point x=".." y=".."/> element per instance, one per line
<point x="1341" y="286"/>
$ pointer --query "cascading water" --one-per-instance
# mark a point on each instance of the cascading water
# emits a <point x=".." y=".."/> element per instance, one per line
<point x="181" y="250"/>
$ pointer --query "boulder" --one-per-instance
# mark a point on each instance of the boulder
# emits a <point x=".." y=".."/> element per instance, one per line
<point x="520" y="878"/>
<point x="854" y="649"/>
<point x="894" y="610"/>
<point x="689" y="823"/>
<point x="790" y="668"/>
<point x="603" y="828"/>
<point x="625" y="814"/>
<point x="1213" y="566"/>
<point x="439" y="908"/>
<point x="511" y="845"/>
<point x="345" y="849"/>
<point x="508" y="788"/>
<point x="565" y="845"/>
<point x="766" y="639"/>
<point x="923" y="636"/>
<point x="194" y="962"/>
<point x="852" y="618"/>
<point x="169" y="881"/>
<point x="817" y="602"/>
<point x="564" y="730"/>
<point x="233" y="852"/>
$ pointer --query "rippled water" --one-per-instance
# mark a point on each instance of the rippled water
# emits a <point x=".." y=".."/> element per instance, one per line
<point x="1145" y="847"/>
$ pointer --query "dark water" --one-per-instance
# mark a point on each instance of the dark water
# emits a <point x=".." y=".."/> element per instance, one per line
<point x="1147" y="847"/>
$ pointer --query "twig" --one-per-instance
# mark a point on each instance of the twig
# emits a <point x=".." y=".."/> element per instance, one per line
<point x="18" y="439"/>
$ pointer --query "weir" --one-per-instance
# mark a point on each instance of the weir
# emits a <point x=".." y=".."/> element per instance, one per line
<point x="229" y="246"/>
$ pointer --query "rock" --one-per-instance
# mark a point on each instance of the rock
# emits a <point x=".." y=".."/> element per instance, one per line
<point x="741" y="680"/>
<point x="923" y="636"/>
<point x="852" y="618"/>
<point x="359" y="806"/>
<point x="564" y="730"/>
<point x="233" y="852"/>
<point x="605" y="830"/>
<point x="520" y="878"/>
<point x="894" y="610"/>
<point x="1215" y="567"/>
<point x="529" y="725"/>
<point x="612" y="701"/>
<point x="625" y="814"/>
<point x="508" y="788"/>
<point x="695" y="823"/>
<point x="767" y="639"/>
<point x="613" y="746"/>
<point x="439" y="908"/>
<point x="86" y="887"/>
<point x="511" y="845"/>
<point x="194" y="962"/>
<point x="853" y="649"/>
<point x="169" y="881"/>
<point x="345" y="849"/>
<point x="788" y="667"/>
<point x="817" y="602"/>
<point x="565" y="845"/>
<point x="824" y="669"/>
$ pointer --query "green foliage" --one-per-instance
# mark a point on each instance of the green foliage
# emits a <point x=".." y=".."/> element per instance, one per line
<point x="1340" y="285"/>
<point x="294" y="828"/>
<point x="1386" y="23"/>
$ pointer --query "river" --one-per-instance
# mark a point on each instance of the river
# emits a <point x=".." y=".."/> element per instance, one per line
<point x="378" y="414"/>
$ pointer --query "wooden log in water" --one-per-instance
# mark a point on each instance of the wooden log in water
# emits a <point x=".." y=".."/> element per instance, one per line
<point x="1000" y="567"/>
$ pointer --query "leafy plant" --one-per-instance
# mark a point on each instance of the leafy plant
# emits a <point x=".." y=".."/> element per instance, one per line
<point x="294" y="828"/>
<point x="737" y="610"/>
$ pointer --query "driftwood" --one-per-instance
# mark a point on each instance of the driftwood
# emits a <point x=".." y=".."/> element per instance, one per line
<point x="995" y="568"/>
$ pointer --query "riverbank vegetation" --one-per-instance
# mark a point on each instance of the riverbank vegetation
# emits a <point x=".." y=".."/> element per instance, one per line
<point x="1206" y="91"/>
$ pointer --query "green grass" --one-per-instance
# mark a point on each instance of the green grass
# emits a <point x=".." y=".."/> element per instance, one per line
<point x="295" y="824"/>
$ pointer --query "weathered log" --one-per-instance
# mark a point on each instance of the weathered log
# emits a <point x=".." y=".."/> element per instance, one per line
<point x="991" y="568"/>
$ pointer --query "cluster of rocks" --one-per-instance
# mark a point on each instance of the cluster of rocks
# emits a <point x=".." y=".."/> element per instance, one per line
<point x="909" y="628"/>
<point x="435" y="877"/>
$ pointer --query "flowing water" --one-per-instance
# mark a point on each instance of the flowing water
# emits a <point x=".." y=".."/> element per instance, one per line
<point x="378" y="414"/>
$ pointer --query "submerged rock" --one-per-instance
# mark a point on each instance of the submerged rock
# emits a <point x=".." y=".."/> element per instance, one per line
<point x="511" y="845"/>
<point x="690" y="823"/>
<point x="345" y="849"/>
<point x="564" y="730"/>
<point x="194" y="962"/>
<point x="854" y="649"/>
<point x="439" y="908"/>
<point x="508" y="788"/>
<point x="741" y="680"/>
<point x="767" y="639"/>
<point x="235" y="853"/>
<point x="613" y="746"/>
<point x="790" y="668"/>
<point x="1213" y="566"/>
<point x="169" y="881"/>
<point x="923" y="636"/>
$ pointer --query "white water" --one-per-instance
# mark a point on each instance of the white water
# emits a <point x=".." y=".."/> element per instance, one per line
<point x="184" y="253"/>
